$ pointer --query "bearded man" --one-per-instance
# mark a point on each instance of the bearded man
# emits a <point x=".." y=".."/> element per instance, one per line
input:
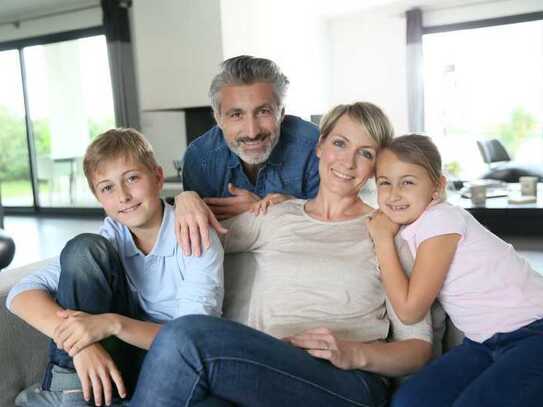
<point x="254" y="152"/>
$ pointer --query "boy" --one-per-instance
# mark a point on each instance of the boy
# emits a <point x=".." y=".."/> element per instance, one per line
<point x="113" y="290"/>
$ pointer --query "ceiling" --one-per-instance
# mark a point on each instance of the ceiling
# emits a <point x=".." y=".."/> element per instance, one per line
<point x="14" y="10"/>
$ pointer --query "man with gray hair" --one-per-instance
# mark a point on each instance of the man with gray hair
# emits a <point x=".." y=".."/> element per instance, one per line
<point x="254" y="152"/>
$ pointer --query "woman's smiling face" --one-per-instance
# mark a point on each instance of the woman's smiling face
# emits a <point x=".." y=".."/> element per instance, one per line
<point x="347" y="157"/>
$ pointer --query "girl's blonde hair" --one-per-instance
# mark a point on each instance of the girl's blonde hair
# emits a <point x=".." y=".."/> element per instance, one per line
<point x="418" y="150"/>
<point x="370" y="116"/>
<point x="116" y="143"/>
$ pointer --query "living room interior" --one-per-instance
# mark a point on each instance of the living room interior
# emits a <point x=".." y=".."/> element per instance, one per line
<point x="59" y="92"/>
<point x="462" y="71"/>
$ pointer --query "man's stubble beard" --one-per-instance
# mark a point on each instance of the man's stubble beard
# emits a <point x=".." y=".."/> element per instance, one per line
<point x="237" y="148"/>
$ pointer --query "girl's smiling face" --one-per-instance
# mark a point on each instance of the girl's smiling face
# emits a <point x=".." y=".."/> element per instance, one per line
<point x="404" y="190"/>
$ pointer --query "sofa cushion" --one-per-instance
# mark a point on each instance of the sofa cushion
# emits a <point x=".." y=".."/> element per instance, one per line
<point x="23" y="350"/>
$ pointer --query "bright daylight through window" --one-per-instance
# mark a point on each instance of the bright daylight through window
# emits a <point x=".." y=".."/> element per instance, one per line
<point x="69" y="101"/>
<point x="483" y="84"/>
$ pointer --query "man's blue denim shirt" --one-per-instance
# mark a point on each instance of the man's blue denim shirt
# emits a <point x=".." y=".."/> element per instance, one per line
<point x="292" y="168"/>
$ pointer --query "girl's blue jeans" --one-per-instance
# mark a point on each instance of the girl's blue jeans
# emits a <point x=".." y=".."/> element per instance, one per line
<point x="205" y="361"/>
<point x="505" y="370"/>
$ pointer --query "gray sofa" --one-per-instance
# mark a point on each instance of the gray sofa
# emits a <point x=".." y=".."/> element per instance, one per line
<point x="23" y="351"/>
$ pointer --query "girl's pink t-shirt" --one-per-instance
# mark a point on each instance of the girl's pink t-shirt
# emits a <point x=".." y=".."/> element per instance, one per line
<point x="489" y="288"/>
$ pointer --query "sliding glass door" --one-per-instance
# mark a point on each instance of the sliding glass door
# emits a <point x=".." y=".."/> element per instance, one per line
<point x="68" y="101"/>
<point x="15" y="178"/>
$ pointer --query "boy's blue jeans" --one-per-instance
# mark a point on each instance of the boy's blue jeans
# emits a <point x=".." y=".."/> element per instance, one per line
<point x="505" y="370"/>
<point x="195" y="358"/>
<point x="93" y="280"/>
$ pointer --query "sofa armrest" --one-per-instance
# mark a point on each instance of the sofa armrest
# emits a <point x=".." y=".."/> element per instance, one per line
<point x="23" y="350"/>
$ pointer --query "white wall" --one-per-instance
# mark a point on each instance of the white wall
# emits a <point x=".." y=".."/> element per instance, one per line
<point x="368" y="63"/>
<point x="177" y="49"/>
<point x="166" y="132"/>
<point x="296" y="40"/>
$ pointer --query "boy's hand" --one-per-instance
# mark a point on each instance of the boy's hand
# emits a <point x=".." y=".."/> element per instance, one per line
<point x="193" y="217"/>
<point x="228" y="207"/>
<point x="261" y="207"/>
<point x="381" y="227"/>
<point x="79" y="330"/>
<point x="96" y="371"/>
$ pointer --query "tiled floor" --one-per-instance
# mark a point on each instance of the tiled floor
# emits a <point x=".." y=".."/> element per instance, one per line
<point x="38" y="238"/>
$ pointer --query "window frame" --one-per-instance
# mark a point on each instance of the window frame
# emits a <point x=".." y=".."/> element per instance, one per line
<point x="19" y="45"/>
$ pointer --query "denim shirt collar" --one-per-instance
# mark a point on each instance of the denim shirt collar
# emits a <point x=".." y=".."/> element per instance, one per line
<point x="165" y="244"/>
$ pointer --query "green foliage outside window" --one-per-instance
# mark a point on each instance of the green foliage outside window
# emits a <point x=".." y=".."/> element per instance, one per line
<point x="521" y="126"/>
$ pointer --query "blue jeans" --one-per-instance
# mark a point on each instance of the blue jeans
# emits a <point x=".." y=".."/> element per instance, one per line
<point x="197" y="357"/>
<point x="92" y="279"/>
<point x="505" y="370"/>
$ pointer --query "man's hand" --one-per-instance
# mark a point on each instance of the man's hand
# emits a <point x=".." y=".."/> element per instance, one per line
<point x="261" y="207"/>
<point x="323" y="344"/>
<point x="381" y="227"/>
<point x="96" y="371"/>
<point x="241" y="201"/>
<point x="193" y="218"/>
<point x="79" y="330"/>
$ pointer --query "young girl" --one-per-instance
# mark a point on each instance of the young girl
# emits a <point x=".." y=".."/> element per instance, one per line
<point x="489" y="291"/>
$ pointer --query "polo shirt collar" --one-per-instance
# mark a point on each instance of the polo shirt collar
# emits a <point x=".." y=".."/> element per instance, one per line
<point x="165" y="244"/>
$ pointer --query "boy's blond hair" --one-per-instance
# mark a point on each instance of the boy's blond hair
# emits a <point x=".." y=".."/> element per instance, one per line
<point x="116" y="143"/>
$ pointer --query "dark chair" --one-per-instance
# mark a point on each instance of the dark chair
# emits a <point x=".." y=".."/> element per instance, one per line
<point x="500" y="165"/>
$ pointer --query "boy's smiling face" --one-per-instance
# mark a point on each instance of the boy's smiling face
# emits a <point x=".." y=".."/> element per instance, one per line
<point x="129" y="192"/>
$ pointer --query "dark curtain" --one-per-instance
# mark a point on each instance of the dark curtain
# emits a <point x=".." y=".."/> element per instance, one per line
<point x="415" y="76"/>
<point x="121" y="62"/>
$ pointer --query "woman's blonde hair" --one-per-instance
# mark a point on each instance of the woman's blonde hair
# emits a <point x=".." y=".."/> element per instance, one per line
<point x="116" y="143"/>
<point x="370" y="116"/>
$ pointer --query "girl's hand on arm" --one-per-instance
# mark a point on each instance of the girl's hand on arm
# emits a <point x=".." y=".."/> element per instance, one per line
<point x="380" y="227"/>
<point x="261" y="207"/>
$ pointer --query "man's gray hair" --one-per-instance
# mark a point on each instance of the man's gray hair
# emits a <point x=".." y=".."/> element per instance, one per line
<point x="247" y="70"/>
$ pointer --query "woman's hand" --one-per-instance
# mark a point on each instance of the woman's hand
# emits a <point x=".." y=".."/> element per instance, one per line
<point x="323" y="344"/>
<point x="79" y="330"/>
<point x="261" y="207"/>
<point x="381" y="227"/>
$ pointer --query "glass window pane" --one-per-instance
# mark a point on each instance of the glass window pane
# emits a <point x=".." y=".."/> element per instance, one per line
<point x="70" y="102"/>
<point x="15" y="184"/>
<point x="481" y="84"/>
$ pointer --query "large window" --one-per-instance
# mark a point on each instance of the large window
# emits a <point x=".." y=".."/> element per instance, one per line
<point x="15" y="179"/>
<point x="481" y="84"/>
<point x="68" y="101"/>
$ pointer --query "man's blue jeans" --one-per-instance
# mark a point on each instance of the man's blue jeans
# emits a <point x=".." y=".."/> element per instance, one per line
<point x="198" y="357"/>
<point x="92" y="279"/>
<point x="505" y="370"/>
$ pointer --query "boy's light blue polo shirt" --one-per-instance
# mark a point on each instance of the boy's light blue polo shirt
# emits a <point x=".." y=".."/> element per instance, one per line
<point x="167" y="284"/>
<point x="292" y="168"/>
